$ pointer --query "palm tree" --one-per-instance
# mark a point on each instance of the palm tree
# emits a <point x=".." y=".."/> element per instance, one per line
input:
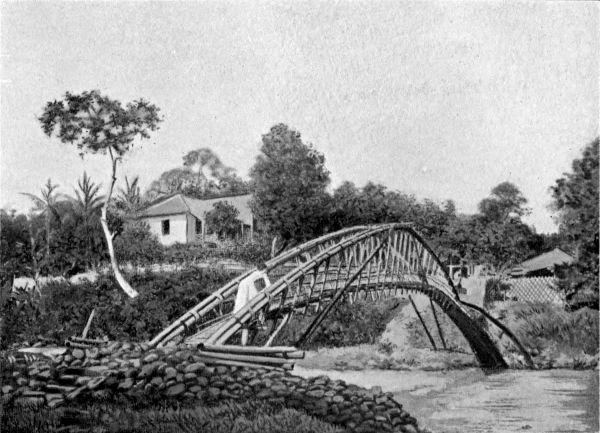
<point x="88" y="204"/>
<point x="45" y="204"/>
<point x="130" y="197"/>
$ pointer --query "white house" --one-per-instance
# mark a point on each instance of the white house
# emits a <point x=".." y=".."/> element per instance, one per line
<point x="180" y="218"/>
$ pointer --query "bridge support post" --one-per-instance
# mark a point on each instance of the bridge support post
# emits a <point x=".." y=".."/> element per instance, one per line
<point x="423" y="323"/>
<point x="439" y="328"/>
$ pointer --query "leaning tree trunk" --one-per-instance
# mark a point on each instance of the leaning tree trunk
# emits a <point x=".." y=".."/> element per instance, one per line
<point x="130" y="291"/>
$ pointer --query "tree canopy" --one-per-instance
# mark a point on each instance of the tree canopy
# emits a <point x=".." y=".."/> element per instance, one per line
<point x="505" y="201"/>
<point x="98" y="124"/>
<point x="223" y="220"/>
<point x="289" y="179"/>
<point x="203" y="175"/>
<point x="576" y="200"/>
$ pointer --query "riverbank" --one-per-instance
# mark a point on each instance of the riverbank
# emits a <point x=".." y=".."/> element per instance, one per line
<point x="472" y="401"/>
<point x="554" y="338"/>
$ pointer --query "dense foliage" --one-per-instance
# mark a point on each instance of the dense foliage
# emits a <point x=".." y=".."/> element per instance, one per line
<point x="16" y="252"/>
<point x="241" y="252"/>
<point x="576" y="200"/>
<point x="537" y="325"/>
<point x="62" y="309"/>
<point x="97" y="124"/>
<point x="136" y="244"/>
<point x="223" y="219"/>
<point x="289" y="183"/>
<point x="203" y="175"/>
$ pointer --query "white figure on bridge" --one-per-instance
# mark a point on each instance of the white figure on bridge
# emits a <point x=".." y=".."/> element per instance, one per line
<point x="248" y="289"/>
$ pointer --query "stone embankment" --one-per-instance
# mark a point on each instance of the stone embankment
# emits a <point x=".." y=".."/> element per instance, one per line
<point x="177" y="372"/>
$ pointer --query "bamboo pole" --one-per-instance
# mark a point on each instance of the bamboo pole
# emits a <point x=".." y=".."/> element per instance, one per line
<point x="319" y="319"/>
<point x="215" y="361"/>
<point x="189" y="317"/>
<point x="327" y="262"/>
<point x="279" y="328"/>
<point x="88" y="324"/>
<point x="312" y="287"/>
<point x="439" y="328"/>
<point x="244" y="358"/>
<point x="422" y="322"/>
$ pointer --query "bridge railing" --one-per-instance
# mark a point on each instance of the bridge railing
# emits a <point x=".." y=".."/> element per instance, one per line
<point x="220" y="301"/>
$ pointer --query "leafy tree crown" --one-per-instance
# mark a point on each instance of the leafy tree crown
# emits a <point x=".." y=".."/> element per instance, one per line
<point x="97" y="124"/>
<point x="290" y="181"/>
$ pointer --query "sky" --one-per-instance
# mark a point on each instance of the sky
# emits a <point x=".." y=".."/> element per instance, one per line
<point x="443" y="100"/>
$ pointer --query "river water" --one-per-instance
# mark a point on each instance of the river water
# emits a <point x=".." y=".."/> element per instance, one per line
<point x="472" y="401"/>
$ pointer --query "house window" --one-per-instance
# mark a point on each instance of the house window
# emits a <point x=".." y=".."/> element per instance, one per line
<point x="166" y="227"/>
<point x="198" y="227"/>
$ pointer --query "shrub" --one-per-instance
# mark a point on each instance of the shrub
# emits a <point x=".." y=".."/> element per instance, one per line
<point x="63" y="309"/>
<point x="539" y="326"/>
<point x="136" y="243"/>
<point x="495" y="290"/>
<point x="242" y="252"/>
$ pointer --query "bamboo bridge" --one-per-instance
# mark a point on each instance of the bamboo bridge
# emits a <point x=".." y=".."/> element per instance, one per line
<point x="363" y="262"/>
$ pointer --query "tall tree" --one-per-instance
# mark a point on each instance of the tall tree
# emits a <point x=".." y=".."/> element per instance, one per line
<point x="503" y="239"/>
<point x="203" y="175"/>
<point x="45" y="204"/>
<point x="98" y="124"/>
<point x="505" y="201"/>
<point x="576" y="200"/>
<point x="290" y="181"/>
<point x="223" y="219"/>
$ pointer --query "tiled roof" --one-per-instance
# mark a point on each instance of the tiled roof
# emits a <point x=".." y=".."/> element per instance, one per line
<point x="547" y="260"/>
<point x="171" y="205"/>
<point x="179" y="203"/>
<point x="241" y="202"/>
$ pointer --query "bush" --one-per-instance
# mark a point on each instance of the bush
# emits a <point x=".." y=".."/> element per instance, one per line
<point x="63" y="309"/>
<point x="241" y="252"/>
<point x="495" y="290"/>
<point x="136" y="243"/>
<point x="540" y="326"/>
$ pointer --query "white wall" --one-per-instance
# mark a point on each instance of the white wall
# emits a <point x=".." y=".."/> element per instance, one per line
<point x="178" y="228"/>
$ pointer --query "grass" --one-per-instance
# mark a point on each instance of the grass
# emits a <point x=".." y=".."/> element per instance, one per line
<point x="552" y="334"/>
<point x="228" y="416"/>
<point x="554" y="337"/>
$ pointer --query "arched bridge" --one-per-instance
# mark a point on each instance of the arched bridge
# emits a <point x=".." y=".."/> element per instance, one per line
<point x="363" y="262"/>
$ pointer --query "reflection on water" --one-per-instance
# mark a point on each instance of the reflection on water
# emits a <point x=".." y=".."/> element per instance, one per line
<point x="471" y="401"/>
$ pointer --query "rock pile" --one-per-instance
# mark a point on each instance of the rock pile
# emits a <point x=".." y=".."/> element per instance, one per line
<point x="178" y="372"/>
